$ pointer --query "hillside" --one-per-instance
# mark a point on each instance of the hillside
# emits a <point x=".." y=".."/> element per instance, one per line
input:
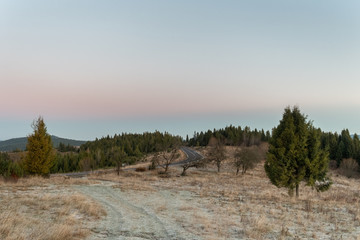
<point x="204" y="204"/>
<point x="20" y="143"/>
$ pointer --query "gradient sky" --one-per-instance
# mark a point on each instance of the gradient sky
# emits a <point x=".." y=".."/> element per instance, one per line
<point x="93" y="68"/>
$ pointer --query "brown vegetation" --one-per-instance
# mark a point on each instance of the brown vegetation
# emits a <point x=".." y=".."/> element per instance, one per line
<point x="165" y="159"/>
<point x="204" y="204"/>
<point x="225" y="206"/>
<point x="349" y="168"/>
<point x="38" y="208"/>
<point x="216" y="152"/>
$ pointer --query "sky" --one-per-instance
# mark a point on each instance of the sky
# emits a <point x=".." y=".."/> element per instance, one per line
<point x="95" y="68"/>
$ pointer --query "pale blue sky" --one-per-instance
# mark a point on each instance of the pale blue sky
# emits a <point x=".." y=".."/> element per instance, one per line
<point x="93" y="68"/>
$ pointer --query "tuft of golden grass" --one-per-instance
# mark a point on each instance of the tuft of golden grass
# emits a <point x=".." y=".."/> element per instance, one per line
<point x="45" y="211"/>
<point x="37" y="181"/>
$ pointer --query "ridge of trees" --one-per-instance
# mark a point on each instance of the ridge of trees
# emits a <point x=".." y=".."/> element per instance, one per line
<point x="125" y="148"/>
<point x="66" y="148"/>
<point x="100" y="152"/>
<point x="230" y="136"/>
<point x="341" y="146"/>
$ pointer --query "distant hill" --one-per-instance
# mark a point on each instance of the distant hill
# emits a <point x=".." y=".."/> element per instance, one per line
<point x="20" y="143"/>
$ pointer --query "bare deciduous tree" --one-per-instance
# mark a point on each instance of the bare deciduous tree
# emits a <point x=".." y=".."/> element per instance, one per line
<point x="197" y="164"/>
<point x="247" y="158"/>
<point x="217" y="152"/>
<point x="164" y="159"/>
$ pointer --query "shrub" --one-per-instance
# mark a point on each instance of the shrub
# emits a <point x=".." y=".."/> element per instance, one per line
<point x="10" y="170"/>
<point x="349" y="168"/>
<point x="5" y="163"/>
<point x="247" y="158"/>
<point x="333" y="164"/>
<point x="140" y="169"/>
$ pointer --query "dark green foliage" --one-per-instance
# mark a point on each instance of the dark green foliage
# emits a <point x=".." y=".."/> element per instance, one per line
<point x="135" y="144"/>
<point x="66" y="148"/>
<point x="230" y="136"/>
<point x="9" y="169"/>
<point x="356" y="145"/>
<point x="295" y="155"/>
<point x="114" y="151"/>
<point x="5" y="163"/>
<point x="347" y="151"/>
<point x="69" y="162"/>
<point x="343" y="146"/>
<point x="317" y="162"/>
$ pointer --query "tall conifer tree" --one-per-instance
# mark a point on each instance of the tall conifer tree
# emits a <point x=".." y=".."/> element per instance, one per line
<point x="294" y="154"/>
<point x="317" y="162"/>
<point x="40" y="157"/>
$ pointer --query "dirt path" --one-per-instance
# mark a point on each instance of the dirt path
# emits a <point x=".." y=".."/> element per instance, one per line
<point x="129" y="218"/>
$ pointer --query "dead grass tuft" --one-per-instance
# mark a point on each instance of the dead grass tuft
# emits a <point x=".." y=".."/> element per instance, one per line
<point x="45" y="212"/>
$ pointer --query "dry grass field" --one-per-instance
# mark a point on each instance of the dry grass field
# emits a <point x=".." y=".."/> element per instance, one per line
<point x="38" y="208"/>
<point x="202" y="205"/>
<point x="213" y="205"/>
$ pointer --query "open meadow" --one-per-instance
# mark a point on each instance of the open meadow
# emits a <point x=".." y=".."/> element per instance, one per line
<point x="202" y="205"/>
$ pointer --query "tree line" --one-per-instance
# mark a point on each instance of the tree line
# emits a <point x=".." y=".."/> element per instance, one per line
<point x="42" y="159"/>
<point x="297" y="151"/>
<point x="230" y="136"/>
<point x="341" y="146"/>
<point x="113" y="151"/>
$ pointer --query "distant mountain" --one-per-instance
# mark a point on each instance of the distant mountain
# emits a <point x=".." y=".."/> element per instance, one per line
<point x="20" y="143"/>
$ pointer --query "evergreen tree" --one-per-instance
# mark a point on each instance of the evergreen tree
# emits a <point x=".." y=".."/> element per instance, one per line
<point x="333" y="145"/>
<point x="5" y="163"/>
<point x="40" y="157"/>
<point x="340" y="152"/>
<point x="356" y="144"/>
<point x="317" y="162"/>
<point x="348" y="144"/>
<point x="294" y="153"/>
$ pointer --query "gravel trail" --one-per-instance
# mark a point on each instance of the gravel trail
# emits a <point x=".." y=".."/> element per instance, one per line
<point x="129" y="218"/>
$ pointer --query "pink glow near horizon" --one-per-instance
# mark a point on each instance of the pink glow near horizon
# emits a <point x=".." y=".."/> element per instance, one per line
<point x="114" y="60"/>
<point x="116" y="100"/>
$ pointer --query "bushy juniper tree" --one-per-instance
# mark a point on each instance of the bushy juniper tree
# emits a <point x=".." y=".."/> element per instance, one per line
<point x="295" y="154"/>
<point x="40" y="157"/>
